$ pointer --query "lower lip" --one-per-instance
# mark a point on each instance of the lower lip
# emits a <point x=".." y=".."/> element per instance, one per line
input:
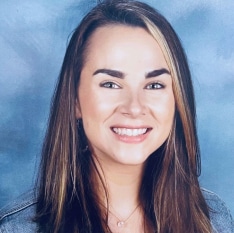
<point x="132" y="139"/>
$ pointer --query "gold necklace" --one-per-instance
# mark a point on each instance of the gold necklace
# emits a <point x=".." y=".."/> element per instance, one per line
<point x="121" y="223"/>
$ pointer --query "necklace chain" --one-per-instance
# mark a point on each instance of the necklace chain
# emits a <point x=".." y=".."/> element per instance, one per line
<point x="121" y="223"/>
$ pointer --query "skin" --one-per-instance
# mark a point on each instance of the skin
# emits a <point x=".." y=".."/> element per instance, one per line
<point x="125" y="88"/>
<point x="132" y="101"/>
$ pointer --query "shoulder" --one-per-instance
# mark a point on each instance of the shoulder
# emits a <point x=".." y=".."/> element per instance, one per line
<point x="220" y="216"/>
<point x="18" y="216"/>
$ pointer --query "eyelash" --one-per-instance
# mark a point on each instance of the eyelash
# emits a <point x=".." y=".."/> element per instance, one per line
<point x="154" y="86"/>
<point x="110" y="85"/>
<point x="151" y="86"/>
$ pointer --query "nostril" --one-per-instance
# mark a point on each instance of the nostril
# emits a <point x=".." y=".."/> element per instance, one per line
<point x="133" y="109"/>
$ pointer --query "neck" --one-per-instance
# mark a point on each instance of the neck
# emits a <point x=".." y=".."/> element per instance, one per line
<point x="122" y="183"/>
<point x="120" y="195"/>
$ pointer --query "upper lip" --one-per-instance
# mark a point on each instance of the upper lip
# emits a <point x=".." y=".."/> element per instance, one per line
<point x="131" y="126"/>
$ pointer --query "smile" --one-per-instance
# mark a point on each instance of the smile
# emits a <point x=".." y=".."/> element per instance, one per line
<point x="130" y="132"/>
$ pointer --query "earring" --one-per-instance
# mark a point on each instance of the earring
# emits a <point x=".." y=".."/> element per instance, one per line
<point x="85" y="149"/>
<point x="78" y="122"/>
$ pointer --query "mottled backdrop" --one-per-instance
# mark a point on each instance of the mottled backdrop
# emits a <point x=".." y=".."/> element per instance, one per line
<point x="33" y="39"/>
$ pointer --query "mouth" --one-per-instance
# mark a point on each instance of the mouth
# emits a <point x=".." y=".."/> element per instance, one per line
<point x="130" y="132"/>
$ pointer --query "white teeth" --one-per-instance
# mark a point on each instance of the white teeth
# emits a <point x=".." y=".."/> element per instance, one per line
<point x="129" y="132"/>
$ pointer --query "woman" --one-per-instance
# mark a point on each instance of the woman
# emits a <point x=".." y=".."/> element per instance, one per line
<point x="121" y="152"/>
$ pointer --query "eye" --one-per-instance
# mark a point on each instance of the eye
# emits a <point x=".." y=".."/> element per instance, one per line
<point x="111" y="85"/>
<point x="153" y="86"/>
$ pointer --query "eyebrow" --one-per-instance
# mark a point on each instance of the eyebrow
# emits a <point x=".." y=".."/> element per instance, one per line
<point x="119" y="74"/>
<point x="113" y="73"/>
<point x="156" y="73"/>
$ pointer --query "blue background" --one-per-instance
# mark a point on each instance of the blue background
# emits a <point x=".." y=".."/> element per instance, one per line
<point x="33" y="38"/>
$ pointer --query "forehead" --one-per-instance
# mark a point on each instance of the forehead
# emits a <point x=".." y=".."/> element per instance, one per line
<point x="118" y="34"/>
<point x="118" y="42"/>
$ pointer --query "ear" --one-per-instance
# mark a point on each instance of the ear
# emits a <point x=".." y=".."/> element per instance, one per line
<point x="78" y="111"/>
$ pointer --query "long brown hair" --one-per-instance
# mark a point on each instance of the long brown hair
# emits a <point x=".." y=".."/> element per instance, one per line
<point x="170" y="194"/>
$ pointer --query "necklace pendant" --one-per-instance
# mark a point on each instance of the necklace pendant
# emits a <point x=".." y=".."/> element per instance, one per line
<point x="120" y="223"/>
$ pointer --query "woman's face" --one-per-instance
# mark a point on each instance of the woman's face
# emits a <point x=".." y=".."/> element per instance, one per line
<point x="125" y="95"/>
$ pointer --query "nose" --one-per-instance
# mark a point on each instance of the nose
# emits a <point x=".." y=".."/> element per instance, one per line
<point x="133" y="105"/>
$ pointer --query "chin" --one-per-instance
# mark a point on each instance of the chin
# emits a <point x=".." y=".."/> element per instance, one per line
<point x="133" y="159"/>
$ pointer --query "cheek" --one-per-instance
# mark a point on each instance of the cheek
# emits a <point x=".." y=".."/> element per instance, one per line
<point x="89" y="108"/>
<point x="96" y="104"/>
<point x="163" y="108"/>
<point x="169" y="112"/>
